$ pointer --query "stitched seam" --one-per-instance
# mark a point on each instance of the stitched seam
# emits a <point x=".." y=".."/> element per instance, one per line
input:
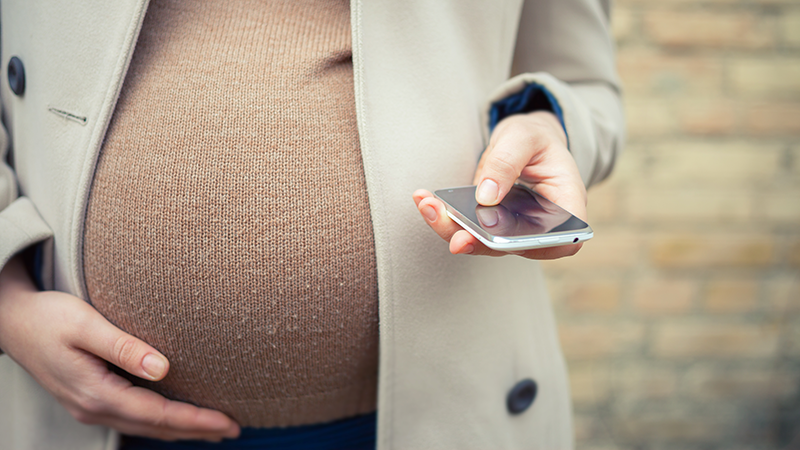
<point x="68" y="115"/>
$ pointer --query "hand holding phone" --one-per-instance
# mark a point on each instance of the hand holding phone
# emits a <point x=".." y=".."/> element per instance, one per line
<point x="530" y="148"/>
<point x="523" y="220"/>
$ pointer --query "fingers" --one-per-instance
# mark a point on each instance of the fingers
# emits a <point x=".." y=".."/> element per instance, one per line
<point x="110" y="400"/>
<point x="139" y="411"/>
<point x="435" y="215"/>
<point x="463" y="243"/>
<point x="140" y="405"/>
<point x="515" y="151"/>
<point x="67" y="356"/>
<point x="157" y="432"/>
<point x="99" y="337"/>
<point x="419" y="194"/>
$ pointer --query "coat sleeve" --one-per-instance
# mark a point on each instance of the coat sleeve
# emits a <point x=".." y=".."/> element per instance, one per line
<point x="20" y="223"/>
<point x="564" y="46"/>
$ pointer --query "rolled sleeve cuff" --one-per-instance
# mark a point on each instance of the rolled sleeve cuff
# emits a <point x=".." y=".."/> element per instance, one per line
<point x="531" y="91"/>
<point x="20" y="227"/>
<point x="533" y="97"/>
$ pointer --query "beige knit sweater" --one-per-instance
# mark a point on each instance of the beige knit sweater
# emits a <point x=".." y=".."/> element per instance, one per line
<point x="228" y="222"/>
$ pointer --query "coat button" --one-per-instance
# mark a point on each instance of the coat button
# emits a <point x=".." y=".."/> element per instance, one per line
<point x="521" y="396"/>
<point x="16" y="75"/>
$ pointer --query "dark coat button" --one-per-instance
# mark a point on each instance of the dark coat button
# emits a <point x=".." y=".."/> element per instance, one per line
<point x="16" y="75"/>
<point x="521" y="396"/>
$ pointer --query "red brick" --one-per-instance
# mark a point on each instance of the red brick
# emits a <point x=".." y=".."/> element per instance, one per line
<point x="646" y="72"/>
<point x="669" y="427"/>
<point x="709" y="116"/>
<point x="664" y="296"/>
<point x="595" y="340"/>
<point x="689" y="205"/>
<point x="716" y="29"/>
<point x="596" y="296"/>
<point x="735" y="384"/>
<point x="783" y="294"/>
<point x="715" y="164"/>
<point x="766" y="77"/>
<point x="589" y="384"/>
<point x="709" y="340"/>
<point x="773" y="118"/>
<point x="792" y="331"/>
<point x="649" y="117"/>
<point x="623" y="23"/>
<point x="731" y="296"/>
<point x="603" y="206"/>
<point x="637" y="381"/>
<point x="781" y="207"/>
<point x="585" y="426"/>
<point x="693" y="251"/>
<point x="790" y="28"/>
<point x="630" y="167"/>
<point x="794" y="253"/>
<point x="794" y="154"/>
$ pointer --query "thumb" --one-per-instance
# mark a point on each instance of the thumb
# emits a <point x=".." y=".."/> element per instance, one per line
<point x="101" y="338"/>
<point x="500" y="168"/>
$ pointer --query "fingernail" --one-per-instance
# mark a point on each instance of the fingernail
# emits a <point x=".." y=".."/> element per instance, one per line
<point x="468" y="249"/>
<point x="487" y="216"/>
<point x="487" y="192"/>
<point x="154" y="365"/>
<point x="429" y="213"/>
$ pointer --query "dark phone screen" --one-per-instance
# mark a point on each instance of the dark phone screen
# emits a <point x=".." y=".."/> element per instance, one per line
<point x="521" y="213"/>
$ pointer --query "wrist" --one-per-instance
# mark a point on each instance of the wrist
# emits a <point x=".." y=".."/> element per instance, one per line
<point x="542" y="128"/>
<point x="16" y="288"/>
<point x="550" y="122"/>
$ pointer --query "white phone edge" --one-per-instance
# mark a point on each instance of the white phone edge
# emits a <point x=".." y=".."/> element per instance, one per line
<point x="528" y="243"/>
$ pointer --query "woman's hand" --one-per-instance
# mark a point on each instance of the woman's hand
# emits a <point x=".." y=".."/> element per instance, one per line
<point x="64" y="344"/>
<point x="527" y="148"/>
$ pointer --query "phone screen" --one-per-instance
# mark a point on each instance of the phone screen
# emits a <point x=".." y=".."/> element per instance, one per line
<point x="522" y="212"/>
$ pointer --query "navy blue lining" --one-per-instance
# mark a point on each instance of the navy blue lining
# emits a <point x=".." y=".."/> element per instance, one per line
<point x="33" y="258"/>
<point x="534" y="97"/>
<point x="357" y="433"/>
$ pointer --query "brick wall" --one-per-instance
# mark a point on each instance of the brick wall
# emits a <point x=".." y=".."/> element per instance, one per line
<point x="681" y="319"/>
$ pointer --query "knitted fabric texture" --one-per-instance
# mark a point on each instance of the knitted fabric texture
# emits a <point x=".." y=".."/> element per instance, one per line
<point x="228" y="223"/>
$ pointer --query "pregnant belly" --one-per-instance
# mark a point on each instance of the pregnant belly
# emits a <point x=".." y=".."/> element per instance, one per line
<point x="270" y="320"/>
<point x="228" y="222"/>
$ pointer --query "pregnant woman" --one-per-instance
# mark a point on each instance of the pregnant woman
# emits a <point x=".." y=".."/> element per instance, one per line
<point x="207" y="230"/>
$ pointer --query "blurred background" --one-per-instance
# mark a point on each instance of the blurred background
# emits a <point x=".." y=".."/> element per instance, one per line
<point x="681" y="319"/>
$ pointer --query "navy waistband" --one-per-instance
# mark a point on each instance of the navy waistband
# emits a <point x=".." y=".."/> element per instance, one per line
<point x="357" y="433"/>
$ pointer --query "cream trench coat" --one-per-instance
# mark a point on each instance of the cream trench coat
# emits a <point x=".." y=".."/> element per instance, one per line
<point x="456" y="333"/>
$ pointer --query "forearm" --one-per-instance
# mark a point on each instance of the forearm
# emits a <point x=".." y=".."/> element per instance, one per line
<point x="15" y="287"/>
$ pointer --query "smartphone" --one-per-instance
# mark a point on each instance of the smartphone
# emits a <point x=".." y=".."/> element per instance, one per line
<point x="522" y="221"/>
